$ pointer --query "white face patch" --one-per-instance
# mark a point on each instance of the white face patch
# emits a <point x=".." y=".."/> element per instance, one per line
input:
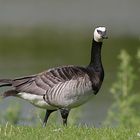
<point x="103" y="29"/>
<point x="97" y="36"/>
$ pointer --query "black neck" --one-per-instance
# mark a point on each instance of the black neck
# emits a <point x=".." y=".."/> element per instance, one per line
<point x="95" y="62"/>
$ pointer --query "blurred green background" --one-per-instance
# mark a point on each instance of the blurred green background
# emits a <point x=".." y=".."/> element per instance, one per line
<point x="37" y="35"/>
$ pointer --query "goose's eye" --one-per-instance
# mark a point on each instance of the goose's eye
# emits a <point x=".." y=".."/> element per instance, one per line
<point x="99" y="32"/>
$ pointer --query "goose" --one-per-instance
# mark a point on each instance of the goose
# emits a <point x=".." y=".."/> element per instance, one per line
<point x="62" y="88"/>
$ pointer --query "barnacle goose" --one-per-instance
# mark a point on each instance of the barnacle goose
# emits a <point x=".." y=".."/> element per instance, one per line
<point x="62" y="88"/>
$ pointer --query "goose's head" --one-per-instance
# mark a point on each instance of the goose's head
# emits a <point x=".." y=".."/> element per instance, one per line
<point x="100" y="33"/>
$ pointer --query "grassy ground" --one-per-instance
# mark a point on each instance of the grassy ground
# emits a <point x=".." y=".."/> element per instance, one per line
<point x="67" y="133"/>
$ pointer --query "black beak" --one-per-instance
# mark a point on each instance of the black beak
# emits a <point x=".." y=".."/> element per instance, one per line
<point x="105" y="37"/>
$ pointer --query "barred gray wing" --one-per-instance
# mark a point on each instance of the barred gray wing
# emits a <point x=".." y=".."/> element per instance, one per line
<point x="39" y="84"/>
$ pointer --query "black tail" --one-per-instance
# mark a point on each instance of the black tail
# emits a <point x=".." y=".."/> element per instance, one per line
<point x="5" y="82"/>
<point x="9" y="93"/>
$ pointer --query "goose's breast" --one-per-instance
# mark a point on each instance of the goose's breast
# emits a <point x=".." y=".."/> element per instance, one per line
<point x="71" y="93"/>
<point x="78" y="96"/>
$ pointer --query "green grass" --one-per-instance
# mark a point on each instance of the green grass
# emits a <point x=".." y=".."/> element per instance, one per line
<point x="67" y="133"/>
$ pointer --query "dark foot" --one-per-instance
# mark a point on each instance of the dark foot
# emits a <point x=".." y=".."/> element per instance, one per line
<point x="48" y="112"/>
<point x="64" y="115"/>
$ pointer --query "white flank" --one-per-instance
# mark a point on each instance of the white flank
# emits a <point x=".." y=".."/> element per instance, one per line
<point x="36" y="100"/>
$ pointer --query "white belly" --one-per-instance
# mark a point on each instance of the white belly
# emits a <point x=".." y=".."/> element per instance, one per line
<point x="36" y="100"/>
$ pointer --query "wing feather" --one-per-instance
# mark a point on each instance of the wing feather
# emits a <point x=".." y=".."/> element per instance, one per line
<point x="41" y="83"/>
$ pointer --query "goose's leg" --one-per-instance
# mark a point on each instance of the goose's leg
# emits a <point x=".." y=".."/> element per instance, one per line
<point x="48" y="112"/>
<point x="64" y="115"/>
